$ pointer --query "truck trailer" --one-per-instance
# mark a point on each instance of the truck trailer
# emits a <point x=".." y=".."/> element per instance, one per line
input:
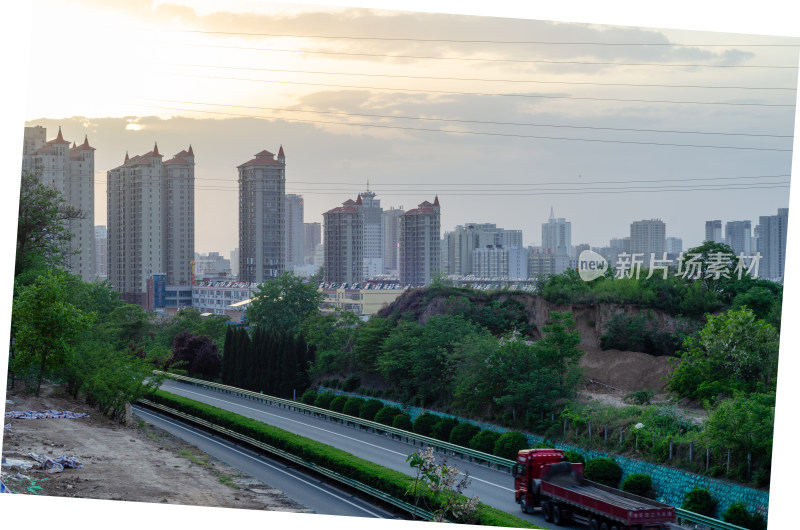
<point x="544" y="479"/>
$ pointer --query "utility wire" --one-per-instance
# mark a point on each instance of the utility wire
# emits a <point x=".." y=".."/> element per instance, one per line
<point x="531" y="96"/>
<point x="481" y="79"/>
<point x="506" y="135"/>
<point x="446" y="120"/>
<point x="529" y="61"/>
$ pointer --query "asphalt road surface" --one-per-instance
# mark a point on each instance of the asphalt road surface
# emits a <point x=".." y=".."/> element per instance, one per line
<point x="493" y="487"/>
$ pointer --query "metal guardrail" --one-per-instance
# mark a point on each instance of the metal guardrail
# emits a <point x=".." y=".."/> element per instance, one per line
<point x="456" y="450"/>
<point x="373" y="492"/>
<point x="704" y="520"/>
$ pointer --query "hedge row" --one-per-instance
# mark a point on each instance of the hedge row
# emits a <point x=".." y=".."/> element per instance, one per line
<point x="442" y="428"/>
<point x="392" y="482"/>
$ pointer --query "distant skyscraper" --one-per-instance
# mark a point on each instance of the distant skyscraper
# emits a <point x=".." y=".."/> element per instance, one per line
<point x="313" y="237"/>
<point x="772" y="244"/>
<point x="101" y="252"/>
<point x="211" y="266"/>
<point x="373" y="233"/>
<point x="461" y="242"/>
<point x="420" y="244"/>
<point x="517" y="263"/>
<point x="557" y="236"/>
<point x="71" y="172"/>
<point x="150" y="223"/>
<point x="262" y="185"/>
<point x="294" y="231"/>
<point x="391" y="239"/>
<point x="673" y="246"/>
<point x="490" y="262"/>
<point x="714" y="231"/>
<point x="738" y="236"/>
<point x="235" y="263"/>
<point x="648" y="237"/>
<point x="344" y="243"/>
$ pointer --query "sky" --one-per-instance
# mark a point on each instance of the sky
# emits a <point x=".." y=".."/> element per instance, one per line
<point x="502" y="118"/>
<point x="131" y="73"/>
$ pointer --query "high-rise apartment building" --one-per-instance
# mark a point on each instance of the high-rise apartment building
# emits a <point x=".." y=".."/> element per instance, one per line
<point x="235" y="263"/>
<point x="772" y="244"/>
<point x="391" y="239"/>
<point x="373" y="234"/>
<point x="490" y="262"/>
<point x="557" y="236"/>
<point x="344" y="243"/>
<point x="420" y="244"/>
<point x="262" y="186"/>
<point x="673" y="246"/>
<point x="150" y="223"/>
<point x="648" y="237"/>
<point x="714" y="231"/>
<point x="313" y="237"/>
<point x="101" y="252"/>
<point x="738" y="236"/>
<point x="461" y="242"/>
<point x="295" y="236"/>
<point x="69" y="170"/>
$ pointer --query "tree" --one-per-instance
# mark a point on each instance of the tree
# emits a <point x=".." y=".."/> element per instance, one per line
<point x="42" y="226"/>
<point x="197" y="354"/>
<point x="283" y="303"/>
<point x="743" y="423"/>
<point x="45" y="326"/>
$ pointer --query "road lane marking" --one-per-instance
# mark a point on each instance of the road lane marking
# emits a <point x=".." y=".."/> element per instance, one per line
<point x="140" y="411"/>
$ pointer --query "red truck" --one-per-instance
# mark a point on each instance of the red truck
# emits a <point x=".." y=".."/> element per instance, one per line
<point x="543" y="478"/>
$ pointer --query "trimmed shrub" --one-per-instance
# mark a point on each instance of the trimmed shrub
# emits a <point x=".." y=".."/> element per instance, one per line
<point x="424" y="423"/>
<point x="403" y="421"/>
<point x="484" y="441"/>
<point x="575" y="457"/>
<point x="323" y="400"/>
<point x="386" y="415"/>
<point x="351" y="383"/>
<point x="700" y="501"/>
<point x="509" y="444"/>
<point x="638" y="484"/>
<point x="443" y="428"/>
<point x="352" y="406"/>
<point x="309" y="396"/>
<point x="463" y="433"/>
<point x="737" y="514"/>
<point x="369" y="408"/>
<point x="337" y="405"/>
<point x="603" y="470"/>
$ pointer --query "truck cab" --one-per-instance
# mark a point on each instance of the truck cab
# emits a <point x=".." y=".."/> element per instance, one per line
<point x="527" y="473"/>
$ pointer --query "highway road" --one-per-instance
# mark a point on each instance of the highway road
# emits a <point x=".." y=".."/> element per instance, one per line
<point x="308" y="490"/>
<point x="492" y="486"/>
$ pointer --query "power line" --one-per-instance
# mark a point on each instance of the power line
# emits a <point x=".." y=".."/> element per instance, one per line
<point x="531" y="96"/>
<point x="506" y="135"/>
<point x="530" y="61"/>
<point x="446" y="120"/>
<point x="482" y="79"/>
<point x="475" y="41"/>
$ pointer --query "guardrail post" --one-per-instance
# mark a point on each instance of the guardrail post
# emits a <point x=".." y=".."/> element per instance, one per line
<point x="691" y="451"/>
<point x="670" y="449"/>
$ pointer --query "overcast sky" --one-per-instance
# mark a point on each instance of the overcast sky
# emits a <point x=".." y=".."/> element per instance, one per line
<point x="502" y="118"/>
<point x="108" y="65"/>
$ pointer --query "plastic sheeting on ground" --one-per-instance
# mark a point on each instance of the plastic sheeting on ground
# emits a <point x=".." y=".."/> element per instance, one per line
<point x="56" y="465"/>
<point x="36" y="414"/>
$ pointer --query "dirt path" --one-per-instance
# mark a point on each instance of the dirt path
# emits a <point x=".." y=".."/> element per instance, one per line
<point x="139" y="463"/>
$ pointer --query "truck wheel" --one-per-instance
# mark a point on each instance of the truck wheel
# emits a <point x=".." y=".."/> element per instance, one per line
<point x="614" y="527"/>
<point x="547" y="510"/>
<point x="604" y="526"/>
<point x="524" y="505"/>
<point x="593" y="524"/>
<point x="558" y="517"/>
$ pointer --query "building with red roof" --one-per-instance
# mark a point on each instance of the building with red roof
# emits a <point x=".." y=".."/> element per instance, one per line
<point x="420" y="244"/>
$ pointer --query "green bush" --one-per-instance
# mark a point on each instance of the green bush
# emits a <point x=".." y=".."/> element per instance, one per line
<point x="309" y="396"/>
<point x="443" y="428"/>
<point x="463" y="433"/>
<point x="737" y="514"/>
<point x="403" y="421"/>
<point x="351" y="383"/>
<point x="386" y="415"/>
<point x="603" y="470"/>
<point x="323" y="400"/>
<point x="700" y="501"/>
<point x="352" y="406"/>
<point x="575" y="457"/>
<point x="638" y="484"/>
<point x="509" y="444"/>
<point x="424" y="423"/>
<point x="337" y="405"/>
<point x="484" y="441"/>
<point x="369" y="408"/>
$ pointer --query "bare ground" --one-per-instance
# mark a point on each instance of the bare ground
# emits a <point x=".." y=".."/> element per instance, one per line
<point x="140" y="463"/>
